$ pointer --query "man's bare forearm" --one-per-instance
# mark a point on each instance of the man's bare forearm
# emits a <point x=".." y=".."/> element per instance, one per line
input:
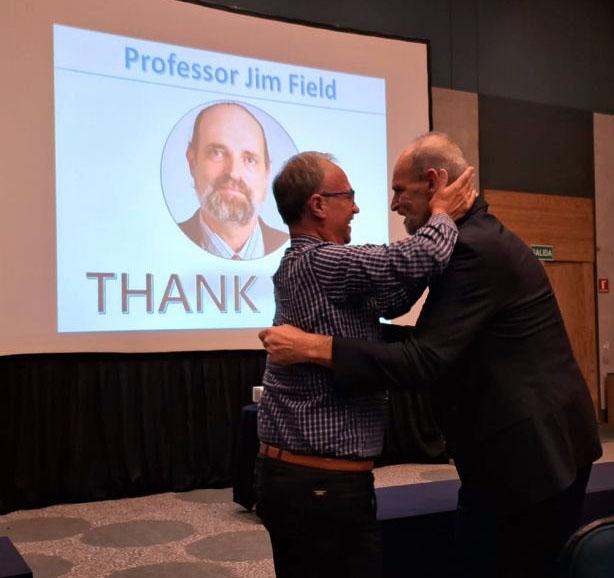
<point x="286" y="345"/>
<point x="321" y="350"/>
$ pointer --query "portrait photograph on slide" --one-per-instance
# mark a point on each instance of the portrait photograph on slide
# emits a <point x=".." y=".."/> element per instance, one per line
<point x="217" y="180"/>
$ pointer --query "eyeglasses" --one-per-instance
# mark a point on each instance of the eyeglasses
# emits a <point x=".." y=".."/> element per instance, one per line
<point x="349" y="194"/>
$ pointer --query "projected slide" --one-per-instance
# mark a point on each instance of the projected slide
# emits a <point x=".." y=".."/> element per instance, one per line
<point x="164" y="160"/>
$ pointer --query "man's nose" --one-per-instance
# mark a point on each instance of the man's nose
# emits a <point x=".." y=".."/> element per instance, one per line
<point x="355" y="209"/>
<point x="233" y="167"/>
<point x="394" y="204"/>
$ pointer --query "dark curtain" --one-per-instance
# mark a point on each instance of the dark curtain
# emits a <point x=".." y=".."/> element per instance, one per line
<point x="81" y="427"/>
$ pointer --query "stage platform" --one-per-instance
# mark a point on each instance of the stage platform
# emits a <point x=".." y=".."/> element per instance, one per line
<point x="418" y="521"/>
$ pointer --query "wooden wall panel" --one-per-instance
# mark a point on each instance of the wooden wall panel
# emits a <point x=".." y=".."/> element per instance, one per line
<point x="574" y="287"/>
<point x="604" y="227"/>
<point x="565" y="222"/>
<point x="456" y="113"/>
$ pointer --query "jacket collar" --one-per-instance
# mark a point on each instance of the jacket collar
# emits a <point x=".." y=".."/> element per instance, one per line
<point x="479" y="206"/>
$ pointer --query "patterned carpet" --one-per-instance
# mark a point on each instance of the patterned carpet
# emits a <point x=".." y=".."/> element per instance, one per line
<point x="198" y="534"/>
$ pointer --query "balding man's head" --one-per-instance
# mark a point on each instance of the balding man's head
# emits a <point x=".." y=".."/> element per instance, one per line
<point x="219" y="109"/>
<point x="314" y="197"/>
<point x="410" y="182"/>
<point x="300" y="177"/>
<point x="229" y="162"/>
<point x="433" y="150"/>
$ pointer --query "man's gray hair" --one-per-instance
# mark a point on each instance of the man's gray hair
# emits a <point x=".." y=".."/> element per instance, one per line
<point x="435" y="150"/>
<point x="300" y="177"/>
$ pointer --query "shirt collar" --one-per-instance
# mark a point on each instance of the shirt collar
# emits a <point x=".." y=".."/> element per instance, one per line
<point x="301" y="240"/>
<point x="479" y="205"/>
<point x="253" y="248"/>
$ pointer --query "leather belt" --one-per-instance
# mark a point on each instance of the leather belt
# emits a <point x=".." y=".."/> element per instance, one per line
<point x="318" y="462"/>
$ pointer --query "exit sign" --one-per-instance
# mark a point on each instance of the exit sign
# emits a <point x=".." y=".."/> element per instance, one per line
<point x="604" y="286"/>
<point x="543" y="252"/>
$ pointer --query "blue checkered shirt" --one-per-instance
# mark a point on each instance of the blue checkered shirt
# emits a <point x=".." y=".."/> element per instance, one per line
<point x="343" y="290"/>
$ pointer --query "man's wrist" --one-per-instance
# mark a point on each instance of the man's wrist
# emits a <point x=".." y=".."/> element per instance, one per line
<point x="320" y="350"/>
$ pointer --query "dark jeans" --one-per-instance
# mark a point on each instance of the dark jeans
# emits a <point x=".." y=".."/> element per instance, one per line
<point x="321" y="523"/>
<point x="521" y="544"/>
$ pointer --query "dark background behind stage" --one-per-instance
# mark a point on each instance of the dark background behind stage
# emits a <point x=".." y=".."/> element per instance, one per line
<point x="77" y="427"/>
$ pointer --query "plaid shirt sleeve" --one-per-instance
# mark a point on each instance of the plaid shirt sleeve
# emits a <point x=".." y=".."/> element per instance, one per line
<point x="393" y="273"/>
<point x="391" y="304"/>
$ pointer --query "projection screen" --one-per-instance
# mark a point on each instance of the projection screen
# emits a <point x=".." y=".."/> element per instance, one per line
<point x="110" y="107"/>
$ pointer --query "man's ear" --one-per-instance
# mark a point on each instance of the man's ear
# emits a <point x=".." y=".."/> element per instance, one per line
<point x="437" y="179"/>
<point x="317" y="206"/>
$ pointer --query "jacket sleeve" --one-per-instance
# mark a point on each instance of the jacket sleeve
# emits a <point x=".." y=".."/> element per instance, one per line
<point x="459" y="305"/>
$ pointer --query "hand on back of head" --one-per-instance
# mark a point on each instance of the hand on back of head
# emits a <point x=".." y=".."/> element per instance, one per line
<point x="456" y="198"/>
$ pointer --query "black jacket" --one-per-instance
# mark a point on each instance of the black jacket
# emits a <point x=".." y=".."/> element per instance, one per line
<point x="514" y="407"/>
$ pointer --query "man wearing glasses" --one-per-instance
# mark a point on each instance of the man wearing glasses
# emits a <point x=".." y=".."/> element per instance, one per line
<point x="314" y="479"/>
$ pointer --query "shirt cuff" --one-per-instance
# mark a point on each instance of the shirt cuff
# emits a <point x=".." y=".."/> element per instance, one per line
<point x="442" y="219"/>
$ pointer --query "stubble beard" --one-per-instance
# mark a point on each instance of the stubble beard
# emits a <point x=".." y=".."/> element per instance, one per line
<point x="410" y="227"/>
<point x="414" y="222"/>
<point x="238" y="209"/>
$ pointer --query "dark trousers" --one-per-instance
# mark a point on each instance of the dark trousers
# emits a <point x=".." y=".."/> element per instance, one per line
<point x="523" y="543"/>
<point x="321" y="523"/>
